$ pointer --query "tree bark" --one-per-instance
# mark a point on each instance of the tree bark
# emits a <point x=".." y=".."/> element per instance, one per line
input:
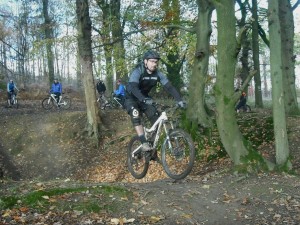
<point x="245" y="44"/>
<point x="280" y="133"/>
<point x="255" y="50"/>
<point x="86" y="59"/>
<point x="196" y="110"/>
<point x="230" y="134"/>
<point x="118" y="40"/>
<point x="49" y="42"/>
<point x="288" y="57"/>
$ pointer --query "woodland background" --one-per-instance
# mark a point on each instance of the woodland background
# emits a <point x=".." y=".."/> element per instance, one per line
<point x="208" y="48"/>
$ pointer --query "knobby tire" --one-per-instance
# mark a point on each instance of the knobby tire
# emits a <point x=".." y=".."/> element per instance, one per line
<point x="138" y="165"/>
<point x="178" y="161"/>
<point x="47" y="104"/>
<point x="66" y="103"/>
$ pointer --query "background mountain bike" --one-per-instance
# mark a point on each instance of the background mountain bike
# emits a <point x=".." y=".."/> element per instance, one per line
<point x="49" y="102"/>
<point x="177" y="149"/>
<point x="245" y="108"/>
<point x="14" y="102"/>
<point x="113" y="102"/>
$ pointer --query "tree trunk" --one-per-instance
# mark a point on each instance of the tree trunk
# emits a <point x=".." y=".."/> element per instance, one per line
<point x="230" y="134"/>
<point x="49" y="36"/>
<point x="288" y="58"/>
<point x="118" y="41"/>
<point x="171" y="9"/>
<point x="255" y="50"/>
<point x="280" y="133"/>
<point x="196" y="110"/>
<point x="106" y="40"/>
<point x="86" y="59"/>
<point x="245" y="44"/>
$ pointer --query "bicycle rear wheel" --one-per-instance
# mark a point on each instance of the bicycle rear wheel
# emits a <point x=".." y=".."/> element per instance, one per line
<point x="47" y="103"/>
<point x="178" y="154"/>
<point x="65" y="103"/>
<point x="138" y="164"/>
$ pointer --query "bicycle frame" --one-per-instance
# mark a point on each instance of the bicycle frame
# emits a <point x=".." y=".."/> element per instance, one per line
<point x="52" y="96"/>
<point x="157" y="125"/>
<point x="118" y="101"/>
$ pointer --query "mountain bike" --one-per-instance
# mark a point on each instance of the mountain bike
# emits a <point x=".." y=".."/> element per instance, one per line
<point x="113" y="102"/>
<point x="245" y="108"/>
<point x="177" y="149"/>
<point x="13" y="101"/>
<point x="49" y="102"/>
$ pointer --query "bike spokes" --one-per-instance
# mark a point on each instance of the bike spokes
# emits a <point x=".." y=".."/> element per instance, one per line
<point x="65" y="103"/>
<point x="178" y="154"/>
<point x="136" y="160"/>
<point x="47" y="103"/>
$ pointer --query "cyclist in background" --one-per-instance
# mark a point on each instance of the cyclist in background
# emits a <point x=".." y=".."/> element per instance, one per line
<point x="56" y="89"/>
<point x="11" y="89"/>
<point x="242" y="102"/>
<point x="142" y="79"/>
<point x="101" y="88"/>
<point x="120" y="92"/>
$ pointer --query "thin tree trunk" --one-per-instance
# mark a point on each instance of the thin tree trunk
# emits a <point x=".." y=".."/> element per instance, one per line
<point x="288" y="58"/>
<point x="196" y="109"/>
<point x="86" y="59"/>
<point x="281" y="139"/>
<point x="230" y="134"/>
<point x="49" y="36"/>
<point x="255" y="50"/>
<point x="117" y="35"/>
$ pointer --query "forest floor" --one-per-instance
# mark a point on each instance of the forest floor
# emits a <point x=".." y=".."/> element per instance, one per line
<point x="52" y="174"/>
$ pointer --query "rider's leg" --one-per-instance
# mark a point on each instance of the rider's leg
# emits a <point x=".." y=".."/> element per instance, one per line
<point x="8" y="98"/>
<point x="134" y="112"/>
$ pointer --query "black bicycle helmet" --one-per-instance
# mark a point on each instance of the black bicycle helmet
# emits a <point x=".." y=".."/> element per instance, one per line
<point x="150" y="54"/>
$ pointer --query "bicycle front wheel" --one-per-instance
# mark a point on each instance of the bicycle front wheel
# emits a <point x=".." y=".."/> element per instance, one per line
<point x="47" y="103"/>
<point x="178" y="154"/>
<point x="137" y="163"/>
<point x="65" y="103"/>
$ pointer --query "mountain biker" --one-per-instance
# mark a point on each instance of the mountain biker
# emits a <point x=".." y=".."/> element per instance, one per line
<point x="56" y="89"/>
<point x="242" y="102"/>
<point x="11" y="89"/>
<point x="142" y="79"/>
<point x="101" y="88"/>
<point x="120" y="92"/>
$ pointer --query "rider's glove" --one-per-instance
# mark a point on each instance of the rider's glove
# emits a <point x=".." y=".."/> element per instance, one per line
<point x="148" y="101"/>
<point x="181" y="104"/>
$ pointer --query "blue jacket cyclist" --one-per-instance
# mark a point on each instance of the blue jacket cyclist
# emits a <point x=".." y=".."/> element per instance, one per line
<point x="56" y="89"/>
<point x="120" y="92"/>
<point x="11" y="89"/>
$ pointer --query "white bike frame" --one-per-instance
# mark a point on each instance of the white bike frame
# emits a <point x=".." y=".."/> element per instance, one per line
<point x="53" y="97"/>
<point x="158" y="123"/>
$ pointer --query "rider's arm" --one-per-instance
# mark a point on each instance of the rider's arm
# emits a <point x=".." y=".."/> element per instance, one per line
<point x="7" y="87"/>
<point x="172" y="90"/>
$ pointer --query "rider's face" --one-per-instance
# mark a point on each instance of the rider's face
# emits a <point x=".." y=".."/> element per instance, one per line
<point x="151" y="64"/>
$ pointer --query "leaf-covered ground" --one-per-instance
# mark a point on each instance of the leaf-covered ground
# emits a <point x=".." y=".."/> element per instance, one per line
<point x="54" y="175"/>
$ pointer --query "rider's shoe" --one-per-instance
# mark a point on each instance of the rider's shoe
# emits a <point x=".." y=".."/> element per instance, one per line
<point x="146" y="147"/>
